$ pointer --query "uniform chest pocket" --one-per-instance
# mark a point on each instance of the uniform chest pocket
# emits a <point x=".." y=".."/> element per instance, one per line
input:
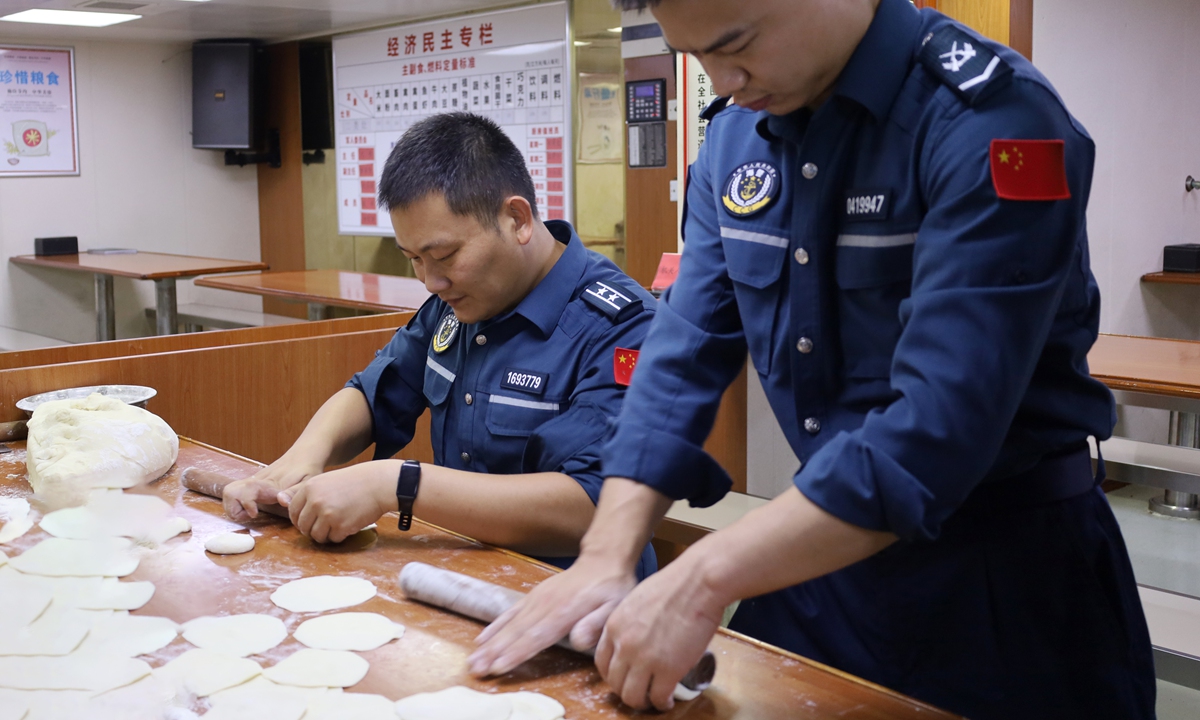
<point x="438" y="381"/>
<point x="874" y="275"/>
<point x="518" y="417"/>
<point x="755" y="263"/>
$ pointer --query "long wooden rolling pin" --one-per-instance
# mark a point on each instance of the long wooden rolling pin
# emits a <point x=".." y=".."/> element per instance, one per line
<point x="484" y="601"/>
<point x="15" y="430"/>
<point x="207" y="482"/>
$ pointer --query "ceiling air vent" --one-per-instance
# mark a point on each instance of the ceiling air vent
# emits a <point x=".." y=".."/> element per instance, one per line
<point x="113" y="5"/>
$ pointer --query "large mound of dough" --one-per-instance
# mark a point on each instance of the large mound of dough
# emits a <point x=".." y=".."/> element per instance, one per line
<point x="77" y="445"/>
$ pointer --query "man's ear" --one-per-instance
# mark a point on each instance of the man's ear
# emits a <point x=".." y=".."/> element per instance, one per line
<point x="517" y="213"/>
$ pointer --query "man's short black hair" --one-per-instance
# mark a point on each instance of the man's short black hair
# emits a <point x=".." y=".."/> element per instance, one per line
<point x="465" y="158"/>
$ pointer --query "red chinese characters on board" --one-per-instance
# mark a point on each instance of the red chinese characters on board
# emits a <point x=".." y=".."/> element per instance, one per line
<point x="441" y="40"/>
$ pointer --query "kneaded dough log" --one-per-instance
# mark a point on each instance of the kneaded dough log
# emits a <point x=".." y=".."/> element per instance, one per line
<point x="95" y="442"/>
<point x="322" y="592"/>
<point x="348" y="631"/>
<point x="319" y="668"/>
<point x="237" y="635"/>
<point x="229" y="544"/>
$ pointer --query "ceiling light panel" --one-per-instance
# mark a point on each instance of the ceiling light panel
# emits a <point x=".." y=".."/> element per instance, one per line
<point x="69" y="17"/>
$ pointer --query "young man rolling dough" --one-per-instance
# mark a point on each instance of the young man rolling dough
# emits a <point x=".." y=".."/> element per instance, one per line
<point x="513" y="355"/>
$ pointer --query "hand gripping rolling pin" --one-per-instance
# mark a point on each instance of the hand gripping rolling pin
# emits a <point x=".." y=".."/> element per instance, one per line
<point x="207" y="482"/>
<point x="484" y="601"/>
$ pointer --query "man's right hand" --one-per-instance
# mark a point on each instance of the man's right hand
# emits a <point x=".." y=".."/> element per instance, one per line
<point x="576" y="602"/>
<point x="242" y="497"/>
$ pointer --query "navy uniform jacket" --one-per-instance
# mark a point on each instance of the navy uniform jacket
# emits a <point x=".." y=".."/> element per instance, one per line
<point x="529" y="391"/>
<point x="917" y="336"/>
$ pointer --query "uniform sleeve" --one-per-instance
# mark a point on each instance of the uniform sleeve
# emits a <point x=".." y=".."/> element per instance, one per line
<point x="988" y="281"/>
<point x="694" y="350"/>
<point x="393" y="384"/>
<point x="571" y="443"/>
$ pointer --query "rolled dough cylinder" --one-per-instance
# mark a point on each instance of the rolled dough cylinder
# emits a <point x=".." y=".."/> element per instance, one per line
<point x="229" y="544"/>
<point x="95" y="442"/>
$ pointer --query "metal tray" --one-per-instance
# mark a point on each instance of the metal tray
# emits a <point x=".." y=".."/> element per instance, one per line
<point x="131" y="394"/>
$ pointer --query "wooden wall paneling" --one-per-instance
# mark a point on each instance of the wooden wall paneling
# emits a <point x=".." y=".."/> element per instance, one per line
<point x="281" y="190"/>
<point x="650" y="216"/>
<point x="1020" y="27"/>
<point x="253" y="400"/>
<point x="192" y="341"/>
<point x="727" y="441"/>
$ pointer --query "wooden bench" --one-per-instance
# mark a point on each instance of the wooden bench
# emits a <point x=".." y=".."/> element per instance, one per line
<point x="195" y="317"/>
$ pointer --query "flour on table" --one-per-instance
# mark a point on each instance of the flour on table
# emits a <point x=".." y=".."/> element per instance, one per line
<point x="322" y="592"/>
<point x="105" y="556"/>
<point x="318" y="668"/>
<point x="348" y="631"/>
<point x="14" y="519"/>
<point x="95" y="442"/>
<point x="237" y="635"/>
<point x="229" y="544"/>
<point x="463" y="703"/>
<point x="203" y="672"/>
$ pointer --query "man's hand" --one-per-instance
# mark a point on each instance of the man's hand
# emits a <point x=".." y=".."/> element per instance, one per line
<point x="576" y="602"/>
<point x="242" y="497"/>
<point x="655" y="636"/>
<point x="334" y="505"/>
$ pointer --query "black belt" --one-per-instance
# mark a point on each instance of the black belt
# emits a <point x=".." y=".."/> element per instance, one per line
<point x="1053" y="479"/>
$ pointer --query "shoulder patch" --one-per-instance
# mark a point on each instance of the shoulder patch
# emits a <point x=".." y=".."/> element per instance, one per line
<point x="617" y="303"/>
<point x="713" y="108"/>
<point x="971" y="69"/>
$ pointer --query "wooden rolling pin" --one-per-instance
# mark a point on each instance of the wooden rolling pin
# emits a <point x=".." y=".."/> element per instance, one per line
<point x="207" y="482"/>
<point x="484" y="601"/>
<point x="15" y="430"/>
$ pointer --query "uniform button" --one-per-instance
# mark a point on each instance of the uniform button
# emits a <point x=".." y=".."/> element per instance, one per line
<point x="812" y="426"/>
<point x="804" y="345"/>
<point x="809" y="171"/>
<point x="469" y="399"/>
<point x="481" y="340"/>
<point x="466" y="457"/>
<point x="801" y="256"/>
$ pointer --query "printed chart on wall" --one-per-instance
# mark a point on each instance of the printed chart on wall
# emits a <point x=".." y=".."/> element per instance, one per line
<point x="511" y="66"/>
<point x="37" y="111"/>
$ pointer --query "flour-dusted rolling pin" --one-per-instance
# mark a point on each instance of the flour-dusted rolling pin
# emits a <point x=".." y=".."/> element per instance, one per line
<point x="207" y="482"/>
<point x="15" y="430"/>
<point x="481" y="600"/>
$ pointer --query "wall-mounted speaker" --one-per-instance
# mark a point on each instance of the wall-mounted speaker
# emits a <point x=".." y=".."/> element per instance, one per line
<point x="227" y="87"/>
<point x="316" y="95"/>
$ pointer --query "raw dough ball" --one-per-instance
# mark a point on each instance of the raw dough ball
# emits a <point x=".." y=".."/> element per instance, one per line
<point x="229" y="544"/>
<point x="95" y="442"/>
<point x="238" y="635"/>
<point x="204" y="672"/>
<point x="322" y="592"/>
<point x="104" y="556"/>
<point x="348" y="631"/>
<point x="319" y="668"/>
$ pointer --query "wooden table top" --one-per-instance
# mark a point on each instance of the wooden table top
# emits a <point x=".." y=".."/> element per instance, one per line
<point x="140" y="265"/>
<point x="753" y="681"/>
<point x="1152" y="365"/>
<point x="341" y="288"/>
<point x="1172" y="278"/>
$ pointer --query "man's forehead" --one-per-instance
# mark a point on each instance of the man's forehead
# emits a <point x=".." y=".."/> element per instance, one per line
<point x="704" y="27"/>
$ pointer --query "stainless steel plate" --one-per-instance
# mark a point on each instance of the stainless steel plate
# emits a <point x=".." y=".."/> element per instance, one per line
<point x="131" y="394"/>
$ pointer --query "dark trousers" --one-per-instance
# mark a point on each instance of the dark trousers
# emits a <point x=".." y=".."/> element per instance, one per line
<point x="1022" y="613"/>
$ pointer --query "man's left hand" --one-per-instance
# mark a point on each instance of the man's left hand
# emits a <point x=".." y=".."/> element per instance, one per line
<point x="332" y="506"/>
<point x="657" y="633"/>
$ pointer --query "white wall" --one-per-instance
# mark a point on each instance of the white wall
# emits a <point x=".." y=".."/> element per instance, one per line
<point x="141" y="186"/>
<point x="1128" y="72"/>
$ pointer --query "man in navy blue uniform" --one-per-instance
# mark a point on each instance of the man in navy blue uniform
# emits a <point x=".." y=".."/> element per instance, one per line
<point x="891" y="219"/>
<point x="515" y="355"/>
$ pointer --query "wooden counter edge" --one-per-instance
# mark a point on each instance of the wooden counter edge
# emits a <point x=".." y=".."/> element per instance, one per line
<point x="246" y="266"/>
<point x="294" y="296"/>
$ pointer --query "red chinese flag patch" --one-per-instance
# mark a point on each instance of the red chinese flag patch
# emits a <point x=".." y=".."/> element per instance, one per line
<point x="1029" y="169"/>
<point x="624" y="361"/>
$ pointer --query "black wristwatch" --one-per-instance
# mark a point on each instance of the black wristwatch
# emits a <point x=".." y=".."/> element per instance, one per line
<point x="406" y="491"/>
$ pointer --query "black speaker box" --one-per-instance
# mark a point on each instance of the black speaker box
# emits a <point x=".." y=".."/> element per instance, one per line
<point x="316" y="96"/>
<point x="56" y="245"/>
<point x="227" y="94"/>
<point x="1181" y="258"/>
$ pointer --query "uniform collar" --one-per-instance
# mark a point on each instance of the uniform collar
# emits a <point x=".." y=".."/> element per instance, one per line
<point x="544" y="305"/>
<point x="873" y="76"/>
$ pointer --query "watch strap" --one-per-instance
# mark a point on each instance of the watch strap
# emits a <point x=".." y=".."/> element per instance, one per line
<point x="407" y="486"/>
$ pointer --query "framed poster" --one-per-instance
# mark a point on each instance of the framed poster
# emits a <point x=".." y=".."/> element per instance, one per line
<point x="38" y="129"/>
<point x="600" y="119"/>
<point x="512" y="66"/>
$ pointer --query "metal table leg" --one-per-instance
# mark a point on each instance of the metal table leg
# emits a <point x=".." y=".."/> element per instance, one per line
<point x="167" y="309"/>
<point x="1184" y="431"/>
<point x="318" y="311"/>
<point x="106" y="317"/>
